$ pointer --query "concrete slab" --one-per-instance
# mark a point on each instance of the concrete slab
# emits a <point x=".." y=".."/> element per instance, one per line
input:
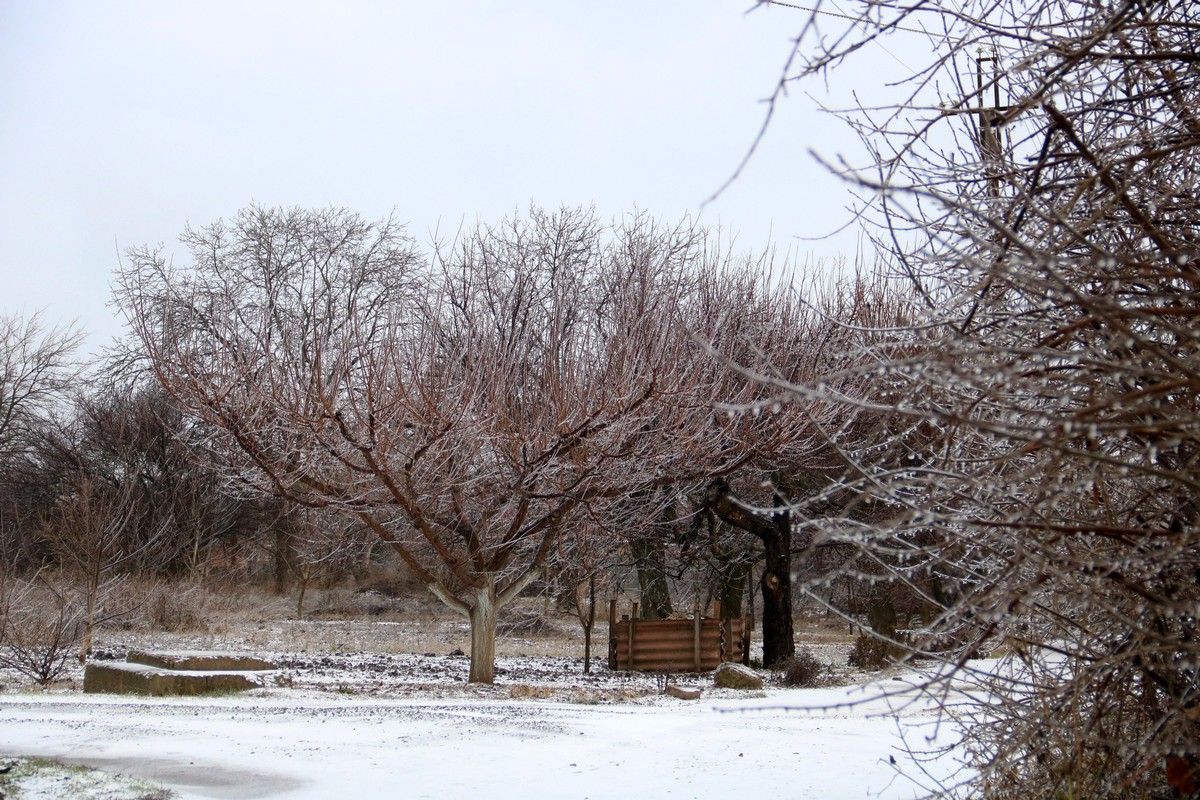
<point x="117" y="677"/>
<point x="198" y="660"/>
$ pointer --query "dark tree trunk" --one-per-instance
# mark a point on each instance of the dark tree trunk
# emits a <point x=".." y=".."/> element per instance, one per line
<point x="732" y="592"/>
<point x="652" y="581"/>
<point x="734" y="567"/>
<point x="774" y="530"/>
<point x="588" y="620"/>
<point x="283" y="555"/>
<point x="779" y="642"/>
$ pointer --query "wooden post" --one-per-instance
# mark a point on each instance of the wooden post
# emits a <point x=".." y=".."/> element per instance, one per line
<point x="612" y="633"/>
<point x="721" y="632"/>
<point x="721" y="635"/>
<point x="748" y="627"/>
<point x="696" y="621"/>
<point x="750" y="590"/>
<point x="629" y="635"/>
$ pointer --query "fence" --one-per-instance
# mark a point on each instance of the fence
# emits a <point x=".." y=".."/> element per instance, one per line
<point x="698" y="644"/>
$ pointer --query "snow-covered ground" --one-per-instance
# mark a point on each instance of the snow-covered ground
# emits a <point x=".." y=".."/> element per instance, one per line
<point x="376" y="705"/>
<point x="298" y="743"/>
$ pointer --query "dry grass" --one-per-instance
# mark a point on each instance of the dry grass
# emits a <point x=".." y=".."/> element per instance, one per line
<point x="819" y="628"/>
<point x="348" y="620"/>
<point x="524" y="691"/>
<point x="341" y="620"/>
<point x="344" y="620"/>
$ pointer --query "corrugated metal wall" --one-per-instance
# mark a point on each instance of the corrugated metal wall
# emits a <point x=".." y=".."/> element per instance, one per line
<point x="699" y="644"/>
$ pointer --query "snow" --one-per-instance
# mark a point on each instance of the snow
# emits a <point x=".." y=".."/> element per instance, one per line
<point x="289" y="743"/>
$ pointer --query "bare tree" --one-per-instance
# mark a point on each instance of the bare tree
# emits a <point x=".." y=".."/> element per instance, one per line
<point x="91" y="536"/>
<point x="464" y="407"/>
<point x="324" y="543"/>
<point x="1040" y="196"/>
<point x="40" y="626"/>
<point x="781" y="340"/>
<point x="774" y="531"/>
<point x="36" y="369"/>
<point x="134" y="438"/>
<point x="585" y="553"/>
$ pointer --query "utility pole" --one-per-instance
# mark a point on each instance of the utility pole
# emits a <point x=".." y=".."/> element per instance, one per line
<point x="988" y="118"/>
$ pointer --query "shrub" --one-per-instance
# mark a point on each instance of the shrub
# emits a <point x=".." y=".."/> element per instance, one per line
<point x="871" y="652"/>
<point x="169" y="609"/>
<point x="803" y="669"/>
<point x="873" y="649"/>
<point x="43" y="626"/>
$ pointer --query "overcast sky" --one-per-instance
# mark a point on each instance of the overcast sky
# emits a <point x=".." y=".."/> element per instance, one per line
<point x="120" y="121"/>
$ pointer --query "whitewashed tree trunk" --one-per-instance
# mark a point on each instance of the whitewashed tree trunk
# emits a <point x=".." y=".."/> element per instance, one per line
<point x="483" y="615"/>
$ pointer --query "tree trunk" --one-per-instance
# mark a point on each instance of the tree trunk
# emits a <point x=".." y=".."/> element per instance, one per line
<point x="732" y="590"/>
<point x="194" y="567"/>
<point x="652" y="582"/>
<point x="483" y="615"/>
<point x="775" y="532"/>
<point x="589" y="622"/>
<point x="302" y="586"/>
<point x="779" y="642"/>
<point x="89" y="623"/>
<point x="587" y="648"/>
<point x="284" y="555"/>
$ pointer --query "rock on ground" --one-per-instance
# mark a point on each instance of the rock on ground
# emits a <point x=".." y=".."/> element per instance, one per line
<point x="681" y="692"/>
<point x="737" y="676"/>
